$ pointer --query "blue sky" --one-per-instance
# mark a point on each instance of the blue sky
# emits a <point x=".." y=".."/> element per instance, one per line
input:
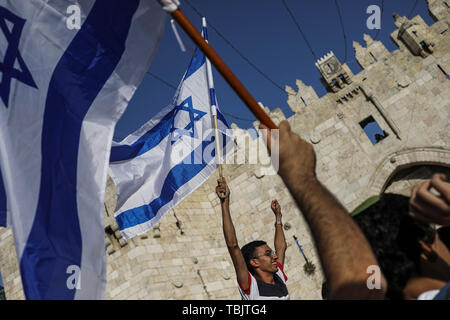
<point x="372" y="129"/>
<point x="264" y="32"/>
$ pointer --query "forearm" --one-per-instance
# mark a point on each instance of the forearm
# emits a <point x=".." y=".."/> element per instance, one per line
<point x="344" y="251"/>
<point x="228" y="227"/>
<point x="280" y="240"/>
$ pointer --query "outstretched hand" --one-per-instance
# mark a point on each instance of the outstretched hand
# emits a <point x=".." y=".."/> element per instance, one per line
<point x="222" y="190"/>
<point x="276" y="208"/>
<point x="429" y="207"/>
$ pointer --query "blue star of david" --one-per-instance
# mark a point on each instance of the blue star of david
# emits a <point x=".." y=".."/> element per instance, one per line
<point x="194" y="115"/>
<point x="12" y="54"/>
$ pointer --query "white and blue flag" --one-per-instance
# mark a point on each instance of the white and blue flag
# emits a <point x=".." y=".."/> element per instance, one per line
<point x="62" y="91"/>
<point x="170" y="156"/>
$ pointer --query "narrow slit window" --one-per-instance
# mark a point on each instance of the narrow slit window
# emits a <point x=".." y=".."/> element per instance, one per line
<point x="373" y="57"/>
<point x="112" y="238"/>
<point x="304" y="102"/>
<point x="415" y="33"/>
<point x="373" y="130"/>
<point x="424" y="46"/>
<point x="330" y="67"/>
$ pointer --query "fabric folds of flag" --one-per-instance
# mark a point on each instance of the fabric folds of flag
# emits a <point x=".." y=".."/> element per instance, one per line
<point x="168" y="157"/>
<point x="62" y="91"/>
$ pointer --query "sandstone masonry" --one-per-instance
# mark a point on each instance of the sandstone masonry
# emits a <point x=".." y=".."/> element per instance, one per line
<point x="407" y="93"/>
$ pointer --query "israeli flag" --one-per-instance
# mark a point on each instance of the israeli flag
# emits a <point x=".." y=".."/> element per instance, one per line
<point x="63" y="88"/>
<point x="170" y="156"/>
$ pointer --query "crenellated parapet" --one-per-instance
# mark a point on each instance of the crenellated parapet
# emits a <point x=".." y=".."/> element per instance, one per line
<point x="439" y="9"/>
<point x="277" y="115"/>
<point x="371" y="54"/>
<point x="306" y="95"/>
<point x="399" y="97"/>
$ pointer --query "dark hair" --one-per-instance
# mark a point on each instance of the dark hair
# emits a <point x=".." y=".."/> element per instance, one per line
<point x="249" y="252"/>
<point x="444" y="235"/>
<point x="394" y="237"/>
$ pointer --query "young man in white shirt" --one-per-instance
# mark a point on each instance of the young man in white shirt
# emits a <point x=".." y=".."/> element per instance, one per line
<point x="259" y="269"/>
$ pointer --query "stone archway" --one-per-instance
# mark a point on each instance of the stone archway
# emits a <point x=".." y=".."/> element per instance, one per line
<point x="404" y="159"/>
<point x="404" y="180"/>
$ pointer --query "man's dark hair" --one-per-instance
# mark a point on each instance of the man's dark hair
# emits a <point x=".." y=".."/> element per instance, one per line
<point x="394" y="237"/>
<point x="249" y="252"/>
<point x="444" y="235"/>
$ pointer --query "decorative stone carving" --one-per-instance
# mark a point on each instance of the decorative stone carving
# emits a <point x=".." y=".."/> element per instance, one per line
<point x="315" y="137"/>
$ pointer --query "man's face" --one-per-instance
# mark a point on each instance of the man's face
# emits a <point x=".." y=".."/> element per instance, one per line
<point x="266" y="258"/>
<point x="434" y="269"/>
<point x="435" y="260"/>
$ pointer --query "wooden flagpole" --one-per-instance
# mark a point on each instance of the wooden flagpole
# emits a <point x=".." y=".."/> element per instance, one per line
<point x="228" y="75"/>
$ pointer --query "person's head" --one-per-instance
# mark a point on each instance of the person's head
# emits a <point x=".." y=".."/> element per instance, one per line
<point x="444" y="235"/>
<point x="259" y="257"/>
<point x="405" y="248"/>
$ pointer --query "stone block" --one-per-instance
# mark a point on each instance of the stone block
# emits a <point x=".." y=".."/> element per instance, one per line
<point x="214" y="286"/>
<point x="415" y="94"/>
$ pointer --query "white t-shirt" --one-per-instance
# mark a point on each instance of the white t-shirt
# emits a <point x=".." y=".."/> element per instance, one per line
<point x="260" y="290"/>
<point x="428" y="295"/>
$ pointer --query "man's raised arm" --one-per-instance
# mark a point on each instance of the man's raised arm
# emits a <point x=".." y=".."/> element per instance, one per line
<point x="230" y="235"/>
<point x="344" y="252"/>
<point x="280" y="241"/>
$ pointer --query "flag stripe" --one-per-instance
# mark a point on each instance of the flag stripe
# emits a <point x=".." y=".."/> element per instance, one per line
<point x="2" y="202"/>
<point x="212" y="96"/>
<point x="197" y="61"/>
<point x="178" y="176"/>
<point x="79" y="76"/>
<point x="145" y="143"/>
<point x="222" y="119"/>
<point x="149" y="140"/>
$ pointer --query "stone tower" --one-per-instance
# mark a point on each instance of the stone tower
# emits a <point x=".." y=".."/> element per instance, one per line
<point x="335" y="75"/>
<point x="405" y="94"/>
<point x="414" y="34"/>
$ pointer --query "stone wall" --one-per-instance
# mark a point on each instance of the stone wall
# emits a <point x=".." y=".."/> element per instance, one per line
<point x="184" y="256"/>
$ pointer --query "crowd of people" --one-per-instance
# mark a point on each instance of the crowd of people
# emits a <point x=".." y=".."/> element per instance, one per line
<point x="395" y="233"/>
